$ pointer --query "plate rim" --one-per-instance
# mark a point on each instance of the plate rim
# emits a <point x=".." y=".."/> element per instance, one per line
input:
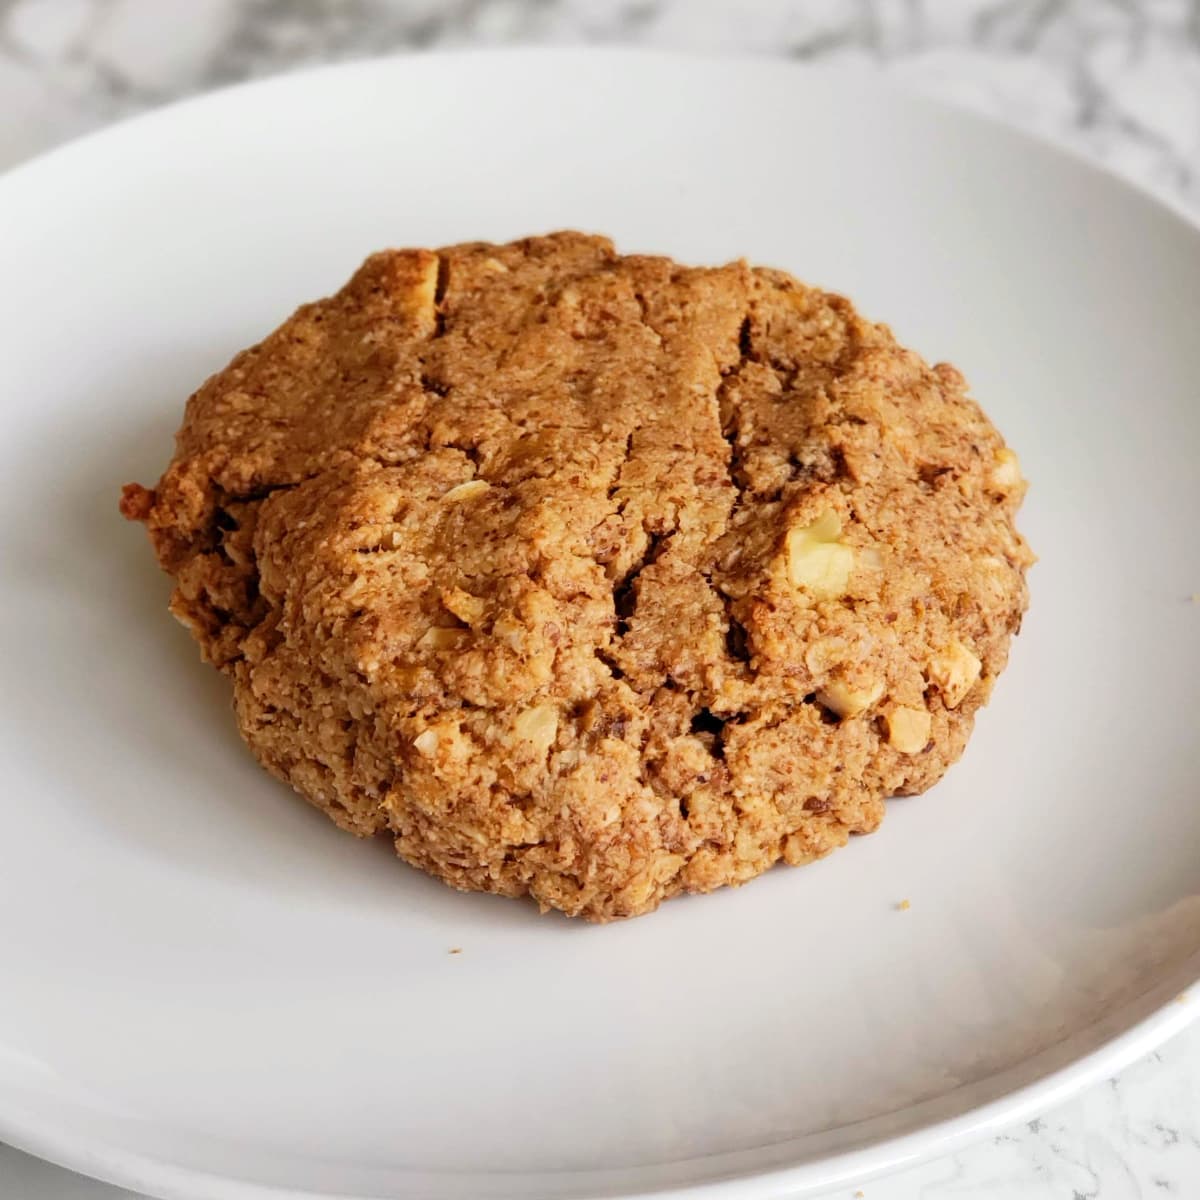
<point x="123" y="1168"/>
<point x="160" y="1177"/>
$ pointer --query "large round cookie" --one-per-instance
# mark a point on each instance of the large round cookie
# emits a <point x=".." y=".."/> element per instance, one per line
<point x="595" y="578"/>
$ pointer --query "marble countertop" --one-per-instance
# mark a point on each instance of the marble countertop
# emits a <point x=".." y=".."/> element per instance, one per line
<point x="1118" y="80"/>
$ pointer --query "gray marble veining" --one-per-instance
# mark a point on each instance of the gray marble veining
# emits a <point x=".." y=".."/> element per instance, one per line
<point x="1118" y="80"/>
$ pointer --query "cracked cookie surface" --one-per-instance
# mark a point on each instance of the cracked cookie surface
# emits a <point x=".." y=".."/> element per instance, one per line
<point x="590" y="577"/>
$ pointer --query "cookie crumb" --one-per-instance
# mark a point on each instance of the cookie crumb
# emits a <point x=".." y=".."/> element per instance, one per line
<point x="859" y="1195"/>
<point x="904" y="906"/>
<point x="1182" y="998"/>
<point x="455" y="949"/>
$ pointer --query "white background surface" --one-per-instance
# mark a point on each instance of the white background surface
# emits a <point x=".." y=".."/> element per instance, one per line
<point x="1120" y="81"/>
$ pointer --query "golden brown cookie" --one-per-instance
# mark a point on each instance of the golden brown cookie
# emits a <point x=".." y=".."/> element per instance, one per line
<point x="591" y="577"/>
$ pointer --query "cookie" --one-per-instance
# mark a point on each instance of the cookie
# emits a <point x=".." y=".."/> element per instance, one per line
<point x="593" y="578"/>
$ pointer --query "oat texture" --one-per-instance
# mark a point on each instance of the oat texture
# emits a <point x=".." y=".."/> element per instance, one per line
<point x="588" y="577"/>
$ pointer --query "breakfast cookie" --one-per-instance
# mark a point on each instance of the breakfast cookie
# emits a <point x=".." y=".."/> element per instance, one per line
<point x="589" y="577"/>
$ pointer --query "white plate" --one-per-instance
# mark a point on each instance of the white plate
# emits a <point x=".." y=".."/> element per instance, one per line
<point x="207" y="991"/>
